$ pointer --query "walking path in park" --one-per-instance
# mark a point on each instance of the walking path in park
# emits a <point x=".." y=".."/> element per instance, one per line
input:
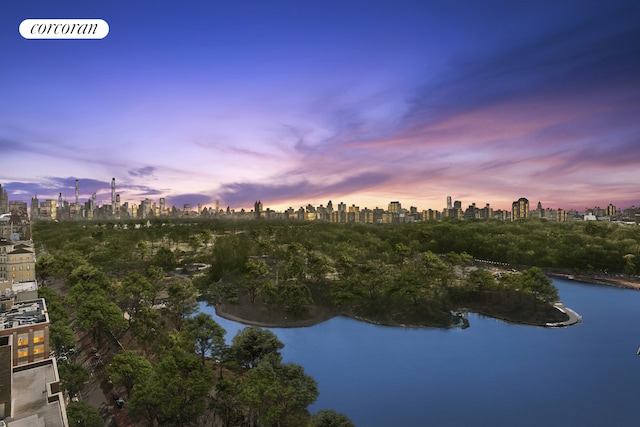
<point x="574" y="317"/>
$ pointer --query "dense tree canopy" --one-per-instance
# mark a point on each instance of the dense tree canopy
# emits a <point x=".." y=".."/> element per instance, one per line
<point x="208" y="335"/>
<point x="252" y="344"/>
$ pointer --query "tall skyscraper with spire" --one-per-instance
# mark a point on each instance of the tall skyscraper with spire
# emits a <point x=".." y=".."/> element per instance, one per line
<point x="113" y="196"/>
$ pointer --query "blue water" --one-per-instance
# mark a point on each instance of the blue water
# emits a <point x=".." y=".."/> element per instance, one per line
<point x="491" y="374"/>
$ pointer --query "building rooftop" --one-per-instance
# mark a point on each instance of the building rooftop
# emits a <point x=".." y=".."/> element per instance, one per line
<point x="24" y="313"/>
<point x="37" y="400"/>
<point x="20" y="251"/>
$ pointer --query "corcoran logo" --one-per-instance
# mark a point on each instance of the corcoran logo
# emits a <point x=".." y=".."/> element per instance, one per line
<point x="64" y="28"/>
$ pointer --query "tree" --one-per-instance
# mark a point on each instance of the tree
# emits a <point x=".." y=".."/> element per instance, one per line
<point x="377" y="276"/>
<point x="330" y="418"/>
<point x="154" y="275"/>
<point x="252" y="344"/>
<point x="164" y="258"/>
<point x="89" y="274"/>
<point x="73" y="377"/>
<point x="207" y="235"/>
<point x="207" y="333"/>
<point x="279" y="392"/>
<point x="295" y="266"/>
<point x="145" y="326"/>
<point x="401" y="251"/>
<point x="66" y="262"/>
<point x="84" y="415"/>
<point x="539" y="284"/>
<point x="57" y="312"/>
<point x="134" y="291"/>
<point x="195" y="241"/>
<point x="97" y="314"/>
<point x="295" y="297"/>
<point x="181" y="300"/>
<point x="256" y="276"/>
<point x="175" y="393"/>
<point x="317" y="266"/>
<point x="481" y="280"/>
<point x="45" y="266"/>
<point x="142" y="248"/>
<point x="79" y="292"/>
<point x="129" y="369"/>
<point x="61" y="335"/>
<point x="630" y="267"/>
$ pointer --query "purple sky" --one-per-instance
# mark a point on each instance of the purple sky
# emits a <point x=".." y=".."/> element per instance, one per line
<point x="296" y="102"/>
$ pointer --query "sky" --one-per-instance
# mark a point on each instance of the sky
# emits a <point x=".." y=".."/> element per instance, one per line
<point x="298" y="102"/>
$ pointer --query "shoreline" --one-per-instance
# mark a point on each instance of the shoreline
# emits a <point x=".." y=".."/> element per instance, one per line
<point x="282" y="324"/>
<point x="306" y="323"/>
<point x="322" y="315"/>
<point x="616" y="282"/>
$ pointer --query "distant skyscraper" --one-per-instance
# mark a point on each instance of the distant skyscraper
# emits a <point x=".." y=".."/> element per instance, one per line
<point x="113" y="194"/>
<point x="561" y="215"/>
<point x="4" y="200"/>
<point x="35" y="207"/>
<point x="77" y="193"/>
<point x="257" y="209"/>
<point x="162" y="206"/>
<point x="449" y="205"/>
<point x="520" y="209"/>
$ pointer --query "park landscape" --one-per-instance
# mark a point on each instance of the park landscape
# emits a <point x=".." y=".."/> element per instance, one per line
<point x="173" y="365"/>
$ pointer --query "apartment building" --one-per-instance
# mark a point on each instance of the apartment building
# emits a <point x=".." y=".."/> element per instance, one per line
<point x="27" y="323"/>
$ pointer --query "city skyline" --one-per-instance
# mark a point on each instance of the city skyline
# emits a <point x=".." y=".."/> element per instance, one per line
<point x="115" y="202"/>
<point x="295" y="104"/>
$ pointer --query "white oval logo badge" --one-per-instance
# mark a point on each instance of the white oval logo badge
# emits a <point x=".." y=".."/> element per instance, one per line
<point x="64" y="28"/>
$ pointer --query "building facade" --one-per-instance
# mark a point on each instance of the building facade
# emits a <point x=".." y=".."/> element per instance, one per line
<point x="520" y="209"/>
<point x="27" y="323"/>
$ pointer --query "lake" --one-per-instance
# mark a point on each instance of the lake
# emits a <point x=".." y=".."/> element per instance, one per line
<point x="493" y="373"/>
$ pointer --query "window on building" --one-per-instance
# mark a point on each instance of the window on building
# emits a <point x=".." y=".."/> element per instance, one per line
<point x="23" y="339"/>
<point x="38" y="337"/>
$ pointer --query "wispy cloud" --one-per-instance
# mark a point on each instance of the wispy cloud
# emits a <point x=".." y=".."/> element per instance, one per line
<point x="146" y="171"/>
<point x="245" y="194"/>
